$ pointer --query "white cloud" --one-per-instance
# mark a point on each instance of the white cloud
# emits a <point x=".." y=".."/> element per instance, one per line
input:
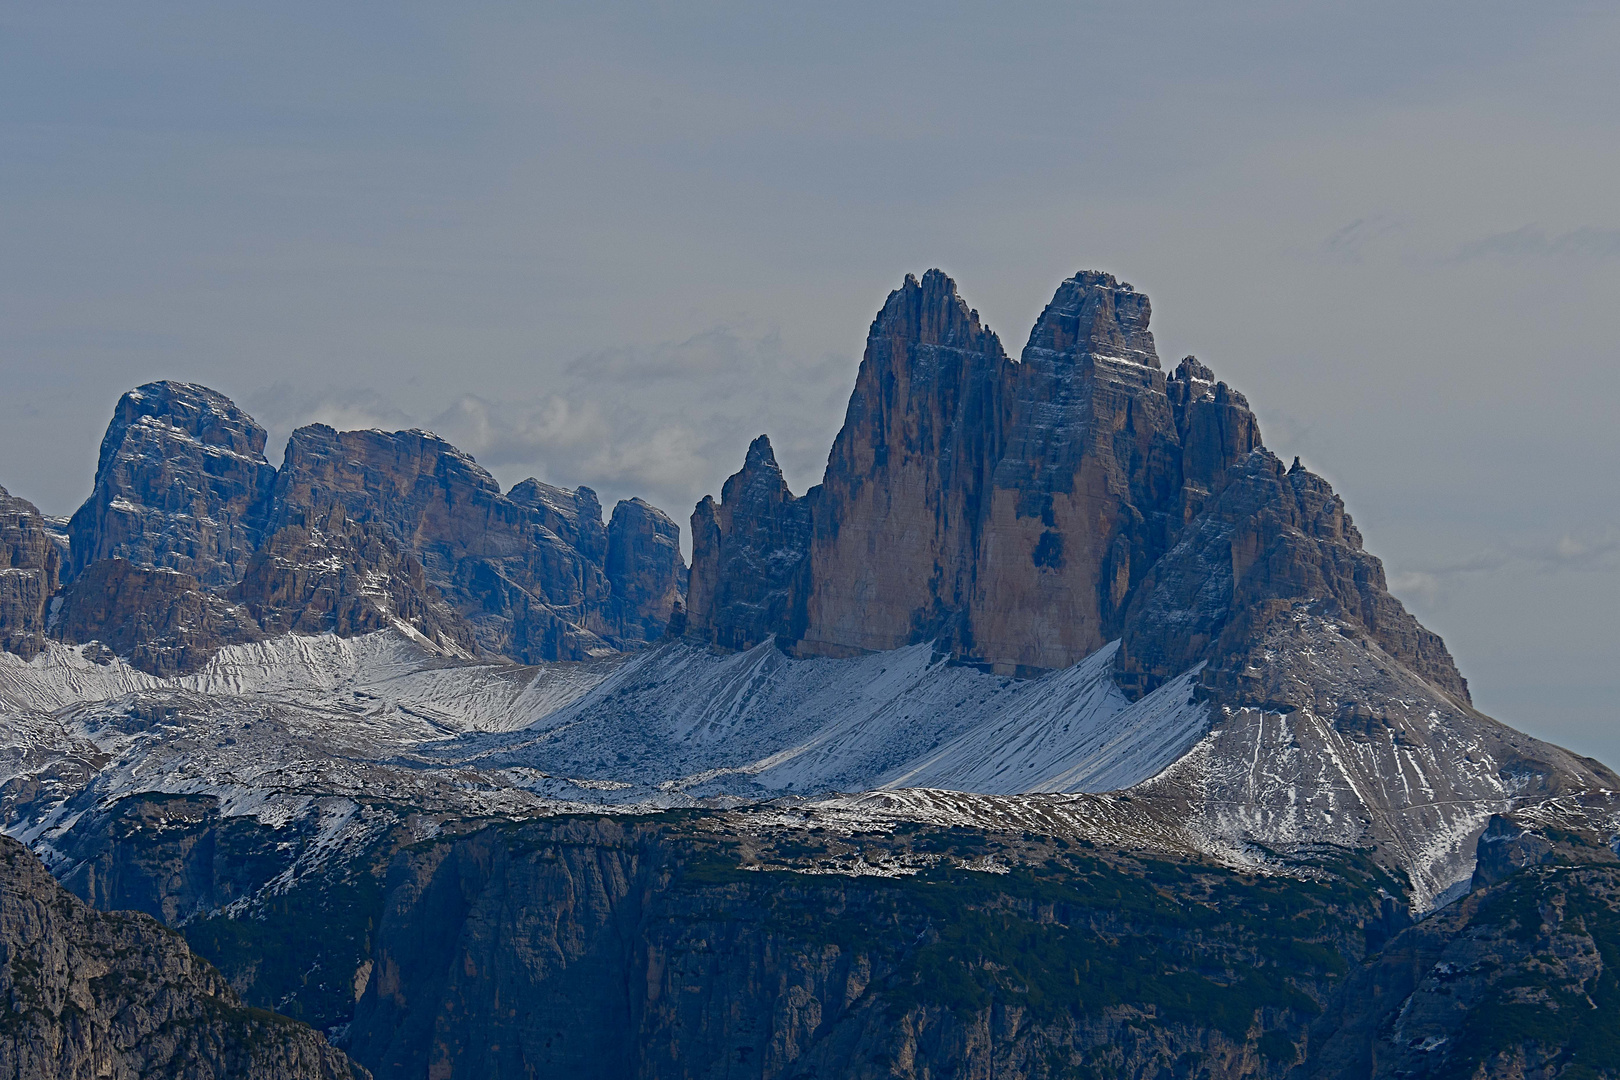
<point x="1532" y="241"/>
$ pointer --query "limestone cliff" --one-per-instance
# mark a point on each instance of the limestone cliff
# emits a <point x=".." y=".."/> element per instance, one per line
<point x="750" y="558"/>
<point x="1023" y="514"/>
<point x="1271" y="541"/>
<point x="645" y="571"/>
<point x="343" y="577"/>
<point x="191" y="541"/>
<point x="91" y="994"/>
<point x="181" y="484"/>
<point x="162" y="620"/>
<point x="30" y="569"/>
<point x="525" y="569"/>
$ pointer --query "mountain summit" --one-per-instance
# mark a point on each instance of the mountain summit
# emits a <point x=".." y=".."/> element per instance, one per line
<point x="1023" y="514"/>
<point x="1061" y="730"/>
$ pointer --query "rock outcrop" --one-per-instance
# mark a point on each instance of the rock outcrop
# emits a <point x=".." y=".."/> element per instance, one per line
<point x="1519" y="979"/>
<point x="92" y="994"/>
<point x="645" y="571"/>
<point x="342" y="577"/>
<point x="1271" y="541"/>
<point x="750" y="558"/>
<point x="1021" y="515"/>
<point x="191" y="541"/>
<point x="163" y="621"/>
<point x="525" y="569"/>
<point x="30" y="571"/>
<point x="181" y="484"/>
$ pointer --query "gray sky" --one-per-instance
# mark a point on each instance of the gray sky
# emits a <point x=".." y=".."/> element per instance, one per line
<point x="608" y="244"/>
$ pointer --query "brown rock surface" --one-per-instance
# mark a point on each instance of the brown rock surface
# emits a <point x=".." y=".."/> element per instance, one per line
<point x="357" y="529"/>
<point x="1024" y="514"/>
<point x="164" y="622"/>
<point x="181" y="484"/>
<point x="899" y="520"/>
<point x="750" y="558"/>
<point x="518" y="569"/>
<point x="30" y="568"/>
<point x="1005" y="510"/>
<point x="342" y="577"/>
<point x="89" y="994"/>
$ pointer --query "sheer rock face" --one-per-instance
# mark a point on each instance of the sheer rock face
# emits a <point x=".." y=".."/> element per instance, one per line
<point x="30" y="569"/>
<point x="163" y="621"/>
<point x="1024" y="514"/>
<point x="181" y="484"/>
<point x="524" y="570"/>
<point x="1273" y="545"/>
<point x="346" y="578"/>
<point x="645" y="570"/>
<point x="88" y="993"/>
<point x="898" y="521"/>
<point x="1005" y="510"/>
<point x="191" y="541"/>
<point x="750" y="558"/>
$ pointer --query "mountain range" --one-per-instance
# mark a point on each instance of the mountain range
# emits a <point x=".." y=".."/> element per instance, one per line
<point x="1062" y="730"/>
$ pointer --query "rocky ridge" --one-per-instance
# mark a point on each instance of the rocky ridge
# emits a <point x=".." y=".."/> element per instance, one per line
<point x="191" y="541"/>
<point x="1040" y="612"/>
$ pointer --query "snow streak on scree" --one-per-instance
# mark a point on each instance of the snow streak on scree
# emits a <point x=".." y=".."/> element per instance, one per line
<point x="683" y="719"/>
<point x="674" y="721"/>
<point x="278" y="729"/>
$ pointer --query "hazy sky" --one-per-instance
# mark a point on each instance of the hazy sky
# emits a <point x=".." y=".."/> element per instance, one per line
<point x="608" y="244"/>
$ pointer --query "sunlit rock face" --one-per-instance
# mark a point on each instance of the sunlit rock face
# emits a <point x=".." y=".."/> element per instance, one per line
<point x="1006" y="510"/>
<point x="181" y="484"/>
<point x="191" y="541"/>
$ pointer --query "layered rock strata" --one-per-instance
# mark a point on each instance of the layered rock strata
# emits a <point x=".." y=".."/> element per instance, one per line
<point x="505" y="564"/>
<point x="87" y="993"/>
<point x="343" y="577"/>
<point x="164" y="622"/>
<point x="30" y="571"/>
<point x="1273" y="540"/>
<point x="191" y="541"/>
<point x="1023" y="514"/>
<point x="181" y="484"/>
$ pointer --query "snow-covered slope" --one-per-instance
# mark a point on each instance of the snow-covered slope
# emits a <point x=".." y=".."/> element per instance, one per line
<point x="273" y="730"/>
<point x="682" y="718"/>
<point x="377" y="674"/>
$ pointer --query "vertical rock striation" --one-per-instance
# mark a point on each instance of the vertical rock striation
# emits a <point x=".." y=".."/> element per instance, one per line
<point x="1023" y="514"/>
<point x="750" y="558"/>
<point x="645" y="571"/>
<point x="1274" y="542"/>
<point x="526" y="570"/>
<point x="191" y="541"/>
<point x="181" y="484"/>
<point x="899" y="520"/>
<point x="30" y="569"/>
<point x="1004" y="510"/>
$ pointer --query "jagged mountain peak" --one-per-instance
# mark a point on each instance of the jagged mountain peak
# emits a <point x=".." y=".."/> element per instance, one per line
<point x="199" y="411"/>
<point x="931" y="312"/>
<point x="191" y="540"/>
<point x="1093" y="314"/>
<point x="760" y="454"/>
<point x="181" y="484"/>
